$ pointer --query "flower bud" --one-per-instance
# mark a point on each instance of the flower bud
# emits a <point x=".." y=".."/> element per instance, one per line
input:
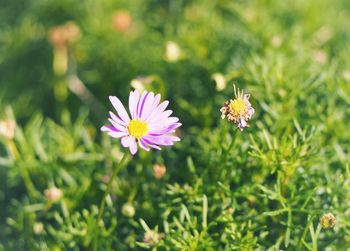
<point x="172" y="51"/>
<point x="57" y="37"/>
<point x="128" y="210"/>
<point x="38" y="227"/>
<point x="220" y="81"/>
<point x="159" y="171"/>
<point x="63" y="35"/>
<point x="7" y="128"/>
<point x="122" y="20"/>
<point x="53" y="194"/>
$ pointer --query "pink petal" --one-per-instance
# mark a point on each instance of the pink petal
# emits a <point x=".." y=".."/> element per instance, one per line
<point x="150" y="144"/>
<point x="117" y="134"/>
<point x="139" y="104"/>
<point x="162" y="116"/>
<point x="120" y="109"/>
<point x="144" y="101"/>
<point x="162" y="123"/>
<point x="148" y="106"/>
<point x="156" y="101"/>
<point x="170" y="138"/>
<point x="168" y="130"/>
<point x="133" y="146"/>
<point x="158" y="110"/>
<point x="116" y="119"/>
<point x="164" y="140"/>
<point x="126" y="141"/>
<point x="134" y="98"/>
<point x="117" y="126"/>
<point x="251" y="111"/>
<point x="108" y="129"/>
<point x="143" y="145"/>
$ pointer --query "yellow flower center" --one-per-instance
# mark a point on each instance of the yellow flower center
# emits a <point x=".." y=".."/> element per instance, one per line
<point x="137" y="128"/>
<point x="238" y="107"/>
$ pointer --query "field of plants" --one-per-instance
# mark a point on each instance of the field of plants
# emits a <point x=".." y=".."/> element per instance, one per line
<point x="175" y="125"/>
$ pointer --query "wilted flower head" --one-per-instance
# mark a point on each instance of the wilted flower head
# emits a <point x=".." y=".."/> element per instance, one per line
<point x="150" y="125"/>
<point x="152" y="237"/>
<point x="53" y="194"/>
<point x="239" y="110"/>
<point x="7" y="128"/>
<point x="328" y="220"/>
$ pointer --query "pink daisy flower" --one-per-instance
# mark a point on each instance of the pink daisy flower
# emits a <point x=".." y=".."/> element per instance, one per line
<point x="149" y="125"/>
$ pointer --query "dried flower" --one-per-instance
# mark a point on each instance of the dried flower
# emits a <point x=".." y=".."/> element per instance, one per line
<point x="239" y="110"/>
<point x="150" y="125"/>
<point x="159" y="171"/>
<point x="7" y="128"/>
<point x="53" y="194"/>
<point x="328" y="220"/>
<point x="152" y="237"/>
<point x="122" y="20"/>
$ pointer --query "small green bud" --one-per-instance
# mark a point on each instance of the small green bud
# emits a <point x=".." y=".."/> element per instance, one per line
<point x="128" y="210"/>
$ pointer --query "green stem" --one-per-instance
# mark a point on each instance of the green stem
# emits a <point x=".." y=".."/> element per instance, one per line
<point x="115" y="172"/>
<point x="302" y="239"/>
<point x="233" y="141"/>
<point x="315" y="237"/>
<point x="109" y="185"/>
<point x="33" y="193"/>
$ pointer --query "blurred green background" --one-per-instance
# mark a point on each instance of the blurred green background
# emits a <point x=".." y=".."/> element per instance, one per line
<point x="60" y="60"/>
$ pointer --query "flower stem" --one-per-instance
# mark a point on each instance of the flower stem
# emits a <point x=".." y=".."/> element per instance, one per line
<point x="227" y="151"/>
<point x="116" y="170"/>
<point x="315" y="237"/>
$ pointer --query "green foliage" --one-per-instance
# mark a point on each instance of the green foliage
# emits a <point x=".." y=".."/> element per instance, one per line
<point x="265" y="188"/>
